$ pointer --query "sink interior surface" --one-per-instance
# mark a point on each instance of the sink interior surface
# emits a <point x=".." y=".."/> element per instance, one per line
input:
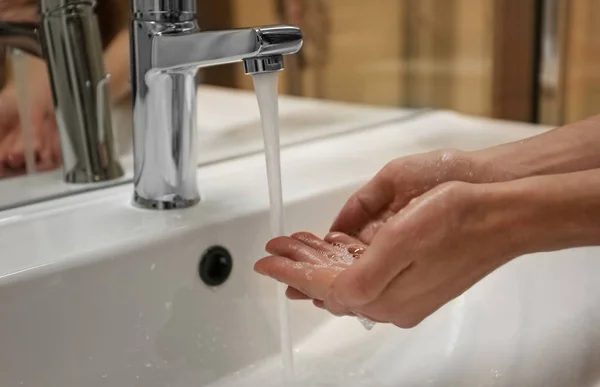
<point x="143" y="318"/>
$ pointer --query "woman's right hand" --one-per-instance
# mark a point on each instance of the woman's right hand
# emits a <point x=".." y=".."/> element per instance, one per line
<point x="46" y="141"/>
<point x="405" y="179"/>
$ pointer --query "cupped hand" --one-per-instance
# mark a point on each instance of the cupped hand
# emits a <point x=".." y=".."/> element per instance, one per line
<point x="405" y="179"/>
<point x="430" y="252"/>
<point x="309" y="264"/>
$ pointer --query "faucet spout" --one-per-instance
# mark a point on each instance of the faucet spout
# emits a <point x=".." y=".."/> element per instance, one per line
<point x="202" y="49"/>
<point x="167" y="50"/>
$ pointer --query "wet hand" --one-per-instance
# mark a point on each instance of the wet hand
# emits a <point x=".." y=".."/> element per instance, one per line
<point x="430" y="252"/>
<point x="308" y="264"/>
<point x="403" y="180"/>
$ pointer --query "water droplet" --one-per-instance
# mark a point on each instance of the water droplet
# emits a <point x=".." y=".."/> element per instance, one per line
<point x="104" y="376"/>
<point x="497" y="374"/>
<point x="148" y="365"/>
<point x="153" y="266"/>
<point x="168" y="305"/>
<point x="367" y="323"/>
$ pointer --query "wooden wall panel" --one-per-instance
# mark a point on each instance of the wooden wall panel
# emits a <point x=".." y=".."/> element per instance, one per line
<point x="514" y="53"/>
<point x="581" y="71"/>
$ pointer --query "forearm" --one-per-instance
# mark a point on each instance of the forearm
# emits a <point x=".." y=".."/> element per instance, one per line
<point x="544" y="213"/>
<point x="570" y="148"/>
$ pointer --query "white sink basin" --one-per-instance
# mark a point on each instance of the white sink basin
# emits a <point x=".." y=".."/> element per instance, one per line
<point x="94" y="292"/>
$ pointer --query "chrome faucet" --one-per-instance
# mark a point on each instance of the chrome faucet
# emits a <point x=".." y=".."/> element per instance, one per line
<point x="167" y="51"/>
<point x="68" y="38"/>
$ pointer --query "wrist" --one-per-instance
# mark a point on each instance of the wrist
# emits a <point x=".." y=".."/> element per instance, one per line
<point x="544" y="213"/>
<point x="472" y="166"/>
<point x="567" y="149"/>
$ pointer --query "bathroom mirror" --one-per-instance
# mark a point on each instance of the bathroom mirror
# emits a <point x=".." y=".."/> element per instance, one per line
<point x="490" y="58"/>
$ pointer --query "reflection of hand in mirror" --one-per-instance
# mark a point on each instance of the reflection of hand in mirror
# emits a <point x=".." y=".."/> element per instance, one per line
<point x="46" y="143"/>
<point x="46" y="139"/>
<point x="19" y="10"/>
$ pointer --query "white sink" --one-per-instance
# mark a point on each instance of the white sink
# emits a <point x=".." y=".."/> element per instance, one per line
<point x="94" y="292"/>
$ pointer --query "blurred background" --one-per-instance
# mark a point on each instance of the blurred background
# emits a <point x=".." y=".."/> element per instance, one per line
<point x="520" y="60"/>
<point x="524" y="60"/>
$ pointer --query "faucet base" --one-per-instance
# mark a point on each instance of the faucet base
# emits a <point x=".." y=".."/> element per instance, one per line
<point x="77" y="176"/>
<point x="175" y="203"/>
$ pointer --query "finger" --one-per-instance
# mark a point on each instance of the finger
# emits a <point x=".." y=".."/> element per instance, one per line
<point x="357" y="250"/>
<point x="303" y="276"/>
<point x="9" y="111"/>
<point x="362" y="282"/>
<point x="333" y="256"/>
<point x="341" y="238"/>
<point x="319" y="304"/>
<point x="367" y="233"/>
<point x="294" y="249"/>
<point x="47" y="161"/>
<point x="54" y="139"/>
<point x="316" y="243"/>
<point x="16" y="155"/>
<point x="6" y="148"/>
<point x="295" y="294"/>
<point x="40" y="136"/>
<point x="366" y="204"/>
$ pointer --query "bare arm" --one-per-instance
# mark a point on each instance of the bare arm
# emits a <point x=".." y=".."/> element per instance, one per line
<point x="571" y="148"/>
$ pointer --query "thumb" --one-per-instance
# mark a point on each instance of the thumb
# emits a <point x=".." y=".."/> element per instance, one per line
<point x="366" y="204"/>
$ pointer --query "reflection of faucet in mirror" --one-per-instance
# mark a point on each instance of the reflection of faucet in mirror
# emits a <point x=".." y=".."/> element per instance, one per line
<point x="68" y="38"/>
<point x="167" y="50"/>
